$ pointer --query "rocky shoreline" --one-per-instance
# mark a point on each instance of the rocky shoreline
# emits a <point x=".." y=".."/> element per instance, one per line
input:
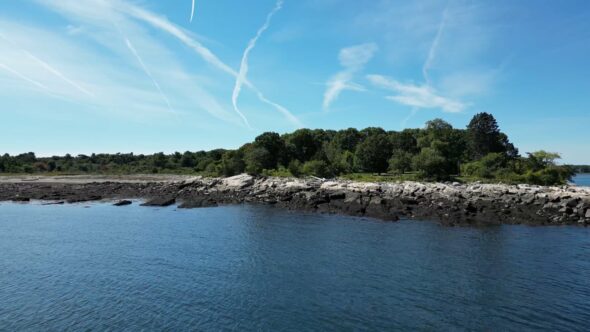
<point x="448" y="203"/>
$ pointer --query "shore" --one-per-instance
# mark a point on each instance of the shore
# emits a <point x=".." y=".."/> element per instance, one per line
<point x="448" y="203"/>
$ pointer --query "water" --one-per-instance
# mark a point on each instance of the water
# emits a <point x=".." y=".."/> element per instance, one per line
<point x="255" y="268"/>
<point x="582" y="180"/>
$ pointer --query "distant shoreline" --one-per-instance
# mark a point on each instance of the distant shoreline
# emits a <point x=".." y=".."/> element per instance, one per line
<point x="448" y="203"/>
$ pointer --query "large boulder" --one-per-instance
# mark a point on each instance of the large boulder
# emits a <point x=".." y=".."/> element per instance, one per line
<point x="239" y="181"/>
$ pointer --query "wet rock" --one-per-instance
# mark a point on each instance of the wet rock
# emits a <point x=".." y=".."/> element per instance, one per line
<point x="160" y="201"/>
<point x="198" y="203"/>
<point x="123" y="203"/>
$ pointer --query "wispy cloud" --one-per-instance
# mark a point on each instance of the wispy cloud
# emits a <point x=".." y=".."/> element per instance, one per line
<point x="26" y="78"/>
<point x="147" y="72"/>
<point x="353" y="59"/>
<point x="417" y="96"/>
<point x="434" y="46"/>
<point x="207" y="55"/>
<point x="193" y="11"/>
<point x="48" y="67"/>
<point x="243" y="73"/>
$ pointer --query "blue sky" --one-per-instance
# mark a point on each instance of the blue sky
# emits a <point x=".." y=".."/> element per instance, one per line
<point x="82" y="76"/>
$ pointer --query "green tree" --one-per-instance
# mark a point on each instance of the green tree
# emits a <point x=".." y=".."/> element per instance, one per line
<point x="373" y="153"/>
<point x="317" y="168"/>
<point x="232" y="163"/>
<point x="484" y="137"/>
<point x="255" y="159"/>
<point x="430" y="165"/>
<point x="400" y="162"/>
<point x="275" y="145"/>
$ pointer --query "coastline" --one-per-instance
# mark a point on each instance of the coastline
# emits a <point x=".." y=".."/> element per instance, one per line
<point x="447" y="203"/>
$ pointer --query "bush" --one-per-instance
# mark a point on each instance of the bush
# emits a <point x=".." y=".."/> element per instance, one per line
<point x="430" y="165"/>
<point x="295" y="168"/>
<point x="317" y="168"/>
<point x="400" y="162"/>
<point x="485" y="167"/>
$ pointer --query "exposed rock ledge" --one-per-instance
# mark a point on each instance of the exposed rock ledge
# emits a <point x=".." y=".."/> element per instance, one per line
<point x="451" y="204"/>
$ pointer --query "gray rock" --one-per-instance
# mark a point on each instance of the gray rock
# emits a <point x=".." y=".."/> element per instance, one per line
<point x="160" y="201"/>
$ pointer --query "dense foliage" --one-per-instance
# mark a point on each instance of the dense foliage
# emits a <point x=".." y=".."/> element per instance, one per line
<point x="436" y="152"/>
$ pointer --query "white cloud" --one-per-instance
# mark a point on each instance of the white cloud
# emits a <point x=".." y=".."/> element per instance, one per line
<point x="92" y="35"/>
<point x="434" y="47"/>
<point x="353" y="59"/>
<point x="192" y="10"/>
<point x="418" y="96"/>
<point x="165" y="25"/>
<point x="243" y="73"/>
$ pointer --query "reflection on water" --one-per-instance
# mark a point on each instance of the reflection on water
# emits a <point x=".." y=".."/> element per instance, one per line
<point x="258" y="268"/>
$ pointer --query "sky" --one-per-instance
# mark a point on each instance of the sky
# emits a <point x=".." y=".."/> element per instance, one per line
<point x="144" y="76"/>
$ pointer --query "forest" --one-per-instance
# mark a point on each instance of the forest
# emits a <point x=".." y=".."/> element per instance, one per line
<point x="436" y="152"/>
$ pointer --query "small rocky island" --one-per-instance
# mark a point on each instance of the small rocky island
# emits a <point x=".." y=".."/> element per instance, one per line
<point x="448" y="203"/>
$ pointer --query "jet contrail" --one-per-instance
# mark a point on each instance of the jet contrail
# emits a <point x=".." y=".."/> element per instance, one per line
<point x="49" y="68"/>
<point x="193" y="11"/>
<point x="39" y="85"/>
<point x="26" y="78"/>
<point x="147" y="72"/>
<point x="164" y="25"/>
<point x="241" y="78"/>
<point x="434" y="46"/>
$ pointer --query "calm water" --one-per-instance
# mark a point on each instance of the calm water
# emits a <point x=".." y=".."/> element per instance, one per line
<point x="256" y="268"/>
<point x="582" y="180"/>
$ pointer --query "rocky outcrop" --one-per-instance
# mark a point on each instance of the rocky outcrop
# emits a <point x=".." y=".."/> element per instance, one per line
<point x="449" y="203"/>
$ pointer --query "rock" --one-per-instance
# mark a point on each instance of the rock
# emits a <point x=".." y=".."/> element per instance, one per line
<point x="123" y="203"/>
<point x="160" y="201"/>
<point x="239" y="181"/>
<point x="197" y="203"/>
<point x="573" y="202"/>
<point x="588" y="214"/>
<point x="55" y="203"/>
<point x="21" y="199"/>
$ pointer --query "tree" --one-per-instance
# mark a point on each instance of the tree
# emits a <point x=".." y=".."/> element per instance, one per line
<point x="541" y="159"/>
<point x="373" y="153"/>
<point x="484" y="137"/>
<point x="232" y="163"/>
<point x="430" y="165"/>
<point x="275" y="145"/>
<point x="302" y="144"/>
<point x="255" y="158"/>
<point x="400" y="162"/>
<point x="317" y="168"/>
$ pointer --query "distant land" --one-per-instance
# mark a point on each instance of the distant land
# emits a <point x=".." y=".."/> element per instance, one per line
<point x="437" y="152"/>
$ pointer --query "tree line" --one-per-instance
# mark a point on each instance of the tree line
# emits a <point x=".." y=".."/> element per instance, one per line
<point x="436" y="152"/>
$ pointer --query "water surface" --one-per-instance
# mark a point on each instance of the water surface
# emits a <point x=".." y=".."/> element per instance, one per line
<point x="582" y="179"/>
<point x="256" y="268"/>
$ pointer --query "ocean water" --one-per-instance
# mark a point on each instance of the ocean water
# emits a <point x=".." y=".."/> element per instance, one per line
<point x="245" y="268"/>
<point x="582" y="180"/>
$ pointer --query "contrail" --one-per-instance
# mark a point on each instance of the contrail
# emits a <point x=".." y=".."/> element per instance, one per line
<point x="434" y="46"/>
<point x="26" y="78"/>
<point x="147" y="72"/>
<point x="40" y="85"/>
<point x="49" y="68"/>
<point x="244" y="65"/>
<point x="166" y="26"/>
<point x="193" y="11"/>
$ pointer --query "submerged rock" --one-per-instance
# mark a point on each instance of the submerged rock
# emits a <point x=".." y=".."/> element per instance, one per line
<point x="160" y="201"/>
<point x="123" y="203"/>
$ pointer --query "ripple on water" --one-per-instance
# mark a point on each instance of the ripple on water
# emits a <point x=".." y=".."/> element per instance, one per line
<point x="258" y="268"/>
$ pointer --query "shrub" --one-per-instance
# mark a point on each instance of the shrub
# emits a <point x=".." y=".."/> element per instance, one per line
<point x="317" y="168"/>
